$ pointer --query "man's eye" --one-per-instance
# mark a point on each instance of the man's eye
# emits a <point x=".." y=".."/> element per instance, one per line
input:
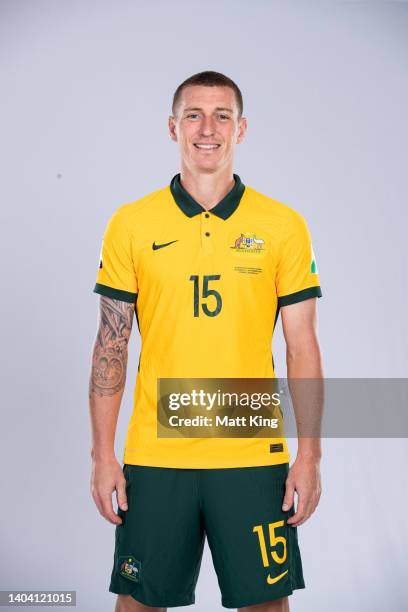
<point x="192" y="116"/>
<point x="223" y="117"/>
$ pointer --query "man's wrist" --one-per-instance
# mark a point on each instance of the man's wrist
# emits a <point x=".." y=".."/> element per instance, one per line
<point x="305" y="455"/>
<point x="103" y="456"/>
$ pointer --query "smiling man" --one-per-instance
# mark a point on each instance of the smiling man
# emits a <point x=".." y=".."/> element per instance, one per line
<point x="207" y="264"/>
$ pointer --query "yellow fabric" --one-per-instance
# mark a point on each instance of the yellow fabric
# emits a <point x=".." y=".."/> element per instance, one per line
<point x="237" y="342"/>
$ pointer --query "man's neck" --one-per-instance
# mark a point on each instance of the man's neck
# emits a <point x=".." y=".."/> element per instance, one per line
<point x="207" y="189"/>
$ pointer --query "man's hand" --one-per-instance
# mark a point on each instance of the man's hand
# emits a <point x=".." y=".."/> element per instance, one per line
<point x="304" y="478"/>
<point x="107" y="476"/>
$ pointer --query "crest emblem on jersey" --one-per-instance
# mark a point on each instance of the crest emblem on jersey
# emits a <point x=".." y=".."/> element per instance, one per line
<point x="313" y="265"/>
<point x="249" y="243"/>
<point x="130" y="568"/>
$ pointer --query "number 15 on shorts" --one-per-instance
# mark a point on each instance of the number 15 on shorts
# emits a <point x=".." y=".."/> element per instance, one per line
<point x="278" y="547"/>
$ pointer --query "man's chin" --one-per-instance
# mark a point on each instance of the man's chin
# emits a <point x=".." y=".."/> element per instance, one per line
<point x="207" y="167"/>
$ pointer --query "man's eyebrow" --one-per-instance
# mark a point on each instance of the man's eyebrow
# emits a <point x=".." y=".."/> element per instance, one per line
<point x="191" y="108"/>
<point x="196" y="108"/>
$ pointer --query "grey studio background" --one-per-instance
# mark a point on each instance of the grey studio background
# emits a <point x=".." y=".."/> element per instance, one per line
<point x="86" y="92"/>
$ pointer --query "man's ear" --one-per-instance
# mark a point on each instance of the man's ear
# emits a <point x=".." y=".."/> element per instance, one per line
<point x="242" y="128"/>
<point x="172" y="128"/>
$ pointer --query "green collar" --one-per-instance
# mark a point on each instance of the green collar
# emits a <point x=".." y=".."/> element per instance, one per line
<point x="190" y="207"/>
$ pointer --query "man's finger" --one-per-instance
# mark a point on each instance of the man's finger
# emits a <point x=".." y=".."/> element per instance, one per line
<point x="108" y="512"/>
<point x="307" y="513"/>
<point x="121" y="497"/>
<point x="289" y="496"/>
<point x="304" y="511"/>
<point x="299" y="514"/>
<point x="303" y="520"/>
<point x="97" y="501"/>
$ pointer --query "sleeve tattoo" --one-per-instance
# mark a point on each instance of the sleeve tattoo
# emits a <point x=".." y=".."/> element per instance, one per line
<point x="110" y="355"/>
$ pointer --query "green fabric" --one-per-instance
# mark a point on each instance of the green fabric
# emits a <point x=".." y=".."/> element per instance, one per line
<point x="299" y="296"/>
<point x="190" y="207"/>
<point x="115" y="294"/>
<point x="170" y="513"/>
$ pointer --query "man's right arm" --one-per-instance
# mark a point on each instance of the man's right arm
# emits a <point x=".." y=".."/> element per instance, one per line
<point x="106" y="386"/>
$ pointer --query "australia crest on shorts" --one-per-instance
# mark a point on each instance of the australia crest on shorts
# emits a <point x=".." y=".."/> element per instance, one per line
<point x="130" y="568"/>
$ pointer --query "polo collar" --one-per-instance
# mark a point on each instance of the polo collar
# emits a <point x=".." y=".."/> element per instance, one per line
<point x="191" y="207"/>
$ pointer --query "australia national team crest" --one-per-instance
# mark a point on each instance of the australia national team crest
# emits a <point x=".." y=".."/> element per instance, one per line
<point x="130" y="568"/>
<point x="249" y="243"/>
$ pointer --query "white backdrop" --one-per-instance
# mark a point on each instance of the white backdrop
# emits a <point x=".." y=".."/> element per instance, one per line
<point x="86" y="93"/>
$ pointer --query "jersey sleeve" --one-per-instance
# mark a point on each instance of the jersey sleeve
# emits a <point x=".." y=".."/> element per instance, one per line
<point x="297" y="278"/>
<point x="116" y="277"/>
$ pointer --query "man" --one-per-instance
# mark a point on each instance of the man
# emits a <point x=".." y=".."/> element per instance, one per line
<point x="206" y="263"/>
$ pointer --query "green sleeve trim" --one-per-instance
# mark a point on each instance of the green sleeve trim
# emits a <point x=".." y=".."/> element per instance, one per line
<point x="115" y="294"/>
<point x="299" y="296"/>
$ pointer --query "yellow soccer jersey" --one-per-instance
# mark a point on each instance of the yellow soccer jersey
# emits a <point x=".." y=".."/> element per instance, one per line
<point x="207" y="288"/>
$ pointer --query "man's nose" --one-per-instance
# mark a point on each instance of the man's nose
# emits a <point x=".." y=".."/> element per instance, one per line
<point x="207" y="126"/>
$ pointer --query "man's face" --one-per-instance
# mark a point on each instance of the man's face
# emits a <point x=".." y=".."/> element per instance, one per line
<point x="207" y="127"/>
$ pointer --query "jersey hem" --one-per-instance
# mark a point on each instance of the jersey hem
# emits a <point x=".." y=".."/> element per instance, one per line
<point x="278" y="459"/>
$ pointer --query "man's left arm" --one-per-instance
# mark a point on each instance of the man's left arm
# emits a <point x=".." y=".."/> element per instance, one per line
<point x="303" y="361"/>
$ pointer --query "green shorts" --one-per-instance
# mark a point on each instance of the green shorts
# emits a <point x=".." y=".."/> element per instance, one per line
<point x="159" y="545"/>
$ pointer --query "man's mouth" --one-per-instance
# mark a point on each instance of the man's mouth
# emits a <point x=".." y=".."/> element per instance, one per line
<point x="206" y="147"/>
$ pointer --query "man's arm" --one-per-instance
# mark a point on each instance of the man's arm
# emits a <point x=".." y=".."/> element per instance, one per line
<point x="106" y="385"/>
<point x="303" y="361"/>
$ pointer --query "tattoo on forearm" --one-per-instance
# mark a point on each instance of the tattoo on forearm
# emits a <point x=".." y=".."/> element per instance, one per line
<point x="109" y="359"/>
